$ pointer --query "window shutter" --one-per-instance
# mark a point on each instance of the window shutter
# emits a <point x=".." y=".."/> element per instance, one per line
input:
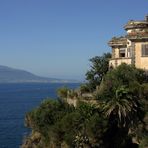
<point x="144" y="49"/>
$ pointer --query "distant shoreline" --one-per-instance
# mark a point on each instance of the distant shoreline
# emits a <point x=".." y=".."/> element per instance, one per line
<point x="38" y="82"/>
<point x="11" y="75"/>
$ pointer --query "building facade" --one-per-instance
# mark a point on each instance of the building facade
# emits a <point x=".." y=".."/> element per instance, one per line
<point x="133" y="47"/>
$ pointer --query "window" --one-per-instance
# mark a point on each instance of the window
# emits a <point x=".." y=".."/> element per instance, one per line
<point x="122" y="52"/>
<point x="129" y="52"/>
<point x="144" y="49"/>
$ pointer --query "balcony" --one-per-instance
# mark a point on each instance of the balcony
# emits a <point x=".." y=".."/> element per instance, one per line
<point x="114" y="62"/>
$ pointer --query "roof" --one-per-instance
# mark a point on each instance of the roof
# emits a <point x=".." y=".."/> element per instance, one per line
<point x="137" y="24"/>
<point x="120" y="41"/>
<point x="137" y="36"/>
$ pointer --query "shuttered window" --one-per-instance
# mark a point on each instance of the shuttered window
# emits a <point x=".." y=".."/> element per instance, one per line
<point x="129" y="52"/>
<point x="122" y="52"/>
<point x="144" y="49"/>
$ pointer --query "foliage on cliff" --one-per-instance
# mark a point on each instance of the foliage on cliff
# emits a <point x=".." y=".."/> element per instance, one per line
<point x="118" y="120"/>
<point x="60" y="124"/>
<point x="99" y="67"/>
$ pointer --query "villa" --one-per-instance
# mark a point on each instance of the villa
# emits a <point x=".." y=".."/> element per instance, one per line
<point x="133" y="47"/>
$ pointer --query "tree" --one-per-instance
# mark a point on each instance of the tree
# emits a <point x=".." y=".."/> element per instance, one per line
<point x="120" y="94"/>
<point x="99" y="67"/>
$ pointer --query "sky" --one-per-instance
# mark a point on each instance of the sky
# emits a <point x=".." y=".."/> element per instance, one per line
<point x="56" y="38"/>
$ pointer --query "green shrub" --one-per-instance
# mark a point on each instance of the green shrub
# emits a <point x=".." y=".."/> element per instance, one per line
<point x="63" y="92"/>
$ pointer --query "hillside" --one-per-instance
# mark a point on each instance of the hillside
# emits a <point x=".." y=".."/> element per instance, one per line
<point x="115" y="115"/>
<point x="11" y="75"/>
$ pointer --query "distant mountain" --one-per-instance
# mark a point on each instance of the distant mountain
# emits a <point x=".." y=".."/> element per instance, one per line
<point x="11" y="75"/>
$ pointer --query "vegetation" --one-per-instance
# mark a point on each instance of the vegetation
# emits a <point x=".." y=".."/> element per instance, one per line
<point x="99" y="67"/>
<point x="119" y="119"/>
<point x="63" y="92"/>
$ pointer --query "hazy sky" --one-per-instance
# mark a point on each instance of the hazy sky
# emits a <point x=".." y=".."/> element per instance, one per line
<point x="56" y="38"/>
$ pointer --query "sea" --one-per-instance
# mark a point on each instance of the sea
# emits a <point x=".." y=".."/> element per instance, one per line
<point x="18" y="99"/>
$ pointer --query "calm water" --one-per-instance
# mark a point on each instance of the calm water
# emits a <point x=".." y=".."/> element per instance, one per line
<point x="15" y="101"/>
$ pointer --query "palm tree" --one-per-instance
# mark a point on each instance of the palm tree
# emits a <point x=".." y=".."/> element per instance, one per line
<point x="122" y="106"/>
<point x="122" y="111"/>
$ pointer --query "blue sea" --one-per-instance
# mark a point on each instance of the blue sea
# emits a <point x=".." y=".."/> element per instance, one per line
<point x="15" y="101"/>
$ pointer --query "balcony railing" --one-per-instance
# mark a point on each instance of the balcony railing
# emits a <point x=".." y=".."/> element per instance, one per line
<point x="114" y="62"/>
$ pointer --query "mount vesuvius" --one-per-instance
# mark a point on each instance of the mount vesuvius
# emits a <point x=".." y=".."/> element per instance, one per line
<point x="12" y="75"/>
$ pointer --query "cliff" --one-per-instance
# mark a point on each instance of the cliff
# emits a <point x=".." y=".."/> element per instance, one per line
<point x="118" y="118"/>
